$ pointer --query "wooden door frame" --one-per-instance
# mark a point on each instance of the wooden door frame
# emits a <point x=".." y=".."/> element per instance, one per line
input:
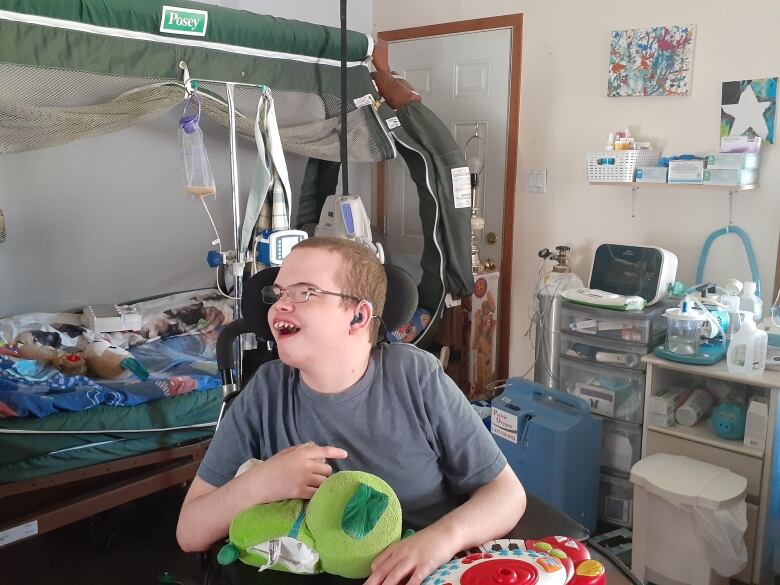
<point x="514" y="22"/>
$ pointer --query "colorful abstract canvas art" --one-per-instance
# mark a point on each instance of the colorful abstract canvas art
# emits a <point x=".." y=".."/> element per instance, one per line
<point x="651" y="61"/>
<point x="748" y="107"/>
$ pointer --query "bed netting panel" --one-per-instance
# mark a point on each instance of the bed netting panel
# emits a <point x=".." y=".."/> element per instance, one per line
<point x="77" y="68"/>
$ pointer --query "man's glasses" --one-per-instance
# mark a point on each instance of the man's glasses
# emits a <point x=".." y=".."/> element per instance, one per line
<point x="297" y="293"/>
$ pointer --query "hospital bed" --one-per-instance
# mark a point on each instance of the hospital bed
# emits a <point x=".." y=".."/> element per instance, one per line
<point x="80" y="446"/>
<point x="97" y="67"/>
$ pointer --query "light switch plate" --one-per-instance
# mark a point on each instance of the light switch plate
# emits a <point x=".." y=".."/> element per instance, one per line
<point x="536" y="181"/>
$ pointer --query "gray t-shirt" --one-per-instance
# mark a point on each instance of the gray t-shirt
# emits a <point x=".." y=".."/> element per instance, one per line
<point x="405" y="421"/>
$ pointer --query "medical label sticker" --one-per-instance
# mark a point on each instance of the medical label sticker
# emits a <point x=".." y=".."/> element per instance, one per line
<point x="18" y="533"/>
<point x="461" y="187"/>
<point x="366" y="100"/>
<point x="503" y="424"/>
<point x="184" y="21"/>
<point x="393" y="122"/>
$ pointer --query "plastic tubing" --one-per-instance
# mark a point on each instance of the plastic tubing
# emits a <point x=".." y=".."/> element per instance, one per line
<point x="751" y="255"/>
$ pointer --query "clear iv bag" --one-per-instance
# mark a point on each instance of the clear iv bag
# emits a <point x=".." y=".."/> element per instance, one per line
<point x="198" y="178"/>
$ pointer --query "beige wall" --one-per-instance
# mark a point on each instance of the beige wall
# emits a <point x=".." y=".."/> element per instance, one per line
<point x="564" y="112"/>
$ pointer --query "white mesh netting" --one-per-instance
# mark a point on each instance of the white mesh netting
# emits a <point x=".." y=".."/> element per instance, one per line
<point x="42" y="107"/>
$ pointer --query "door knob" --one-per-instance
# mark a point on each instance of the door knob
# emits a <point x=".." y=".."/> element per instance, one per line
<point x="491" y="238"/>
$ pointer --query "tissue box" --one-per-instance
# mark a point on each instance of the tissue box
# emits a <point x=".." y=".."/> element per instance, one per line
<point x="731" y="177"/>
<point x="651" y="174"/>
<point x="740" y="144"/>
<point x="686" y="171"/>
<point x="733" y="160"/>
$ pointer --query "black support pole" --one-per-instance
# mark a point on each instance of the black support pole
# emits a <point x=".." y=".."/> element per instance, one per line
<point x="343" y="136"/>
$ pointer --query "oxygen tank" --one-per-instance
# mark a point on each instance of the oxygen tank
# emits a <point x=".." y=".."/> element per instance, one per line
<point x="547" y="316"/>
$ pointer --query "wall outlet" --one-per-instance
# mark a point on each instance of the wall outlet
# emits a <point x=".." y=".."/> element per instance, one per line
<point x="536" y="181"/>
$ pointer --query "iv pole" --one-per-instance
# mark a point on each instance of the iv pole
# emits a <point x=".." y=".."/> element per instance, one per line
<point x="238" y="262"/>
<point x="237" y="267"/>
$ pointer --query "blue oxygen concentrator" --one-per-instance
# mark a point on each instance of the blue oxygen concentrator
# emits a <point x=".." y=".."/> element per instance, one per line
<point x="553" y="443"/>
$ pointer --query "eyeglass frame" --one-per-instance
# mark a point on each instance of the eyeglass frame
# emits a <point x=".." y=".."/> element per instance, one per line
<point x="309" y="290"/>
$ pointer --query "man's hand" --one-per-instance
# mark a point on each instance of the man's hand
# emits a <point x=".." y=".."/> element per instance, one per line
<point x="295" y="472"/>
<point x="476" y="521"/>
<point x="412" y="559"/>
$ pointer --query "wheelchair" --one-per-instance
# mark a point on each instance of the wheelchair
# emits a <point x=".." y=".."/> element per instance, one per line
<point x="540" y="519"/>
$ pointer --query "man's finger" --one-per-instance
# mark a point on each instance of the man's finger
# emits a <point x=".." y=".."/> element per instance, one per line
<point x="379" y="568"/>
<point x="321" y="469"/>
<point x="381" y="559"/>
<point x="416" y="578"/>
<point x="307" y="492"/>
<point x="390" y="565"/>
<point x="399" y="574"/>
<point x="316" y="452"/>
<point x="316" y="481"/>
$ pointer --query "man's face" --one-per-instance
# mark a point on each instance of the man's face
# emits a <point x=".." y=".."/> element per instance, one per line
<point x="318" y="327"/>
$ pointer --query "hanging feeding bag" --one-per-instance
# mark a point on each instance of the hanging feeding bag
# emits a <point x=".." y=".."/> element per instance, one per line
<point x="198" y="178"/>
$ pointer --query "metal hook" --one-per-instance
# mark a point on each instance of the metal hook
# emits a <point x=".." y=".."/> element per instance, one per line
<point x="732" y="204"/>
<point x="190" y="86"/>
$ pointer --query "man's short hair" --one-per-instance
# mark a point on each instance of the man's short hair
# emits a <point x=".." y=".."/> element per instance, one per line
<point x="361" y="273"/>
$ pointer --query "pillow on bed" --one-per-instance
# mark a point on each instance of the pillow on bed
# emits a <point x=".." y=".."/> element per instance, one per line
<point x="177" y="314"/>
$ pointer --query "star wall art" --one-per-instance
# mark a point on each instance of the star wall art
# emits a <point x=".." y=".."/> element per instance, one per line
<point x="748" y="108"/>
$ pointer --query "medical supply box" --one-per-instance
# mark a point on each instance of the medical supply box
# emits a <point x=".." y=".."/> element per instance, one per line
<point x="109" y="318"/>
<point x="553" y="443"/>
<point x="686" y="171"/>
<point x="733" y="160"/>
<point x="731" y="177"/>
<point x="651" y="174"/>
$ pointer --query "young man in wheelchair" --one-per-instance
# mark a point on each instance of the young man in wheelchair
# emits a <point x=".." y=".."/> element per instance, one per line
<point x="336" y="395"/>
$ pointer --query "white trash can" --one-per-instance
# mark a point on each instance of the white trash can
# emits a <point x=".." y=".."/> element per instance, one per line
<point x="689" y="521"/>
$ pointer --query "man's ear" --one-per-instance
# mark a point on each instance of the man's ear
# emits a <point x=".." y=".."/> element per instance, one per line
<point x="362" y="316"/>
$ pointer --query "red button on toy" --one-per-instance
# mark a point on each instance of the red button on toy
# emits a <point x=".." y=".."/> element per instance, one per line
<point x="501" y="572"/>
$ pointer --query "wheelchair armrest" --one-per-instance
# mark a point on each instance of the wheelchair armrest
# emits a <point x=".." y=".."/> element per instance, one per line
<point x="541" y="520"/>
<point x="225" y="343"/>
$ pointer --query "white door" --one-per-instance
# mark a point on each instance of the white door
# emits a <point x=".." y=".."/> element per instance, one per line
<point x="464" y="79"/>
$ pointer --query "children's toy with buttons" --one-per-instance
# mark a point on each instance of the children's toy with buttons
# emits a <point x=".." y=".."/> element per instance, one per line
<point x="555" y="560"/>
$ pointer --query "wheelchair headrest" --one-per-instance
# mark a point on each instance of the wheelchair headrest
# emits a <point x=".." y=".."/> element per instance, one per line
<point x="400" y="304"/>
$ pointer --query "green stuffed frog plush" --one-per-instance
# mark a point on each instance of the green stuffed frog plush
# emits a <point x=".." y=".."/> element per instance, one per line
<point x="350" y="520"/>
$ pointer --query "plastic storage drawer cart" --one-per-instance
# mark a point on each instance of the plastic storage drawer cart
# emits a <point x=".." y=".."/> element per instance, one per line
<point x="553" y="443"/>
<point x="601" y="362"/>
<point x="689" y="521"/>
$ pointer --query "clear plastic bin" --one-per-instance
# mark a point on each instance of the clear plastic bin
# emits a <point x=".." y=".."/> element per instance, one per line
<point x="646" y="327"/>
<point x="621" y="446"/>
<point x="612" y="392"/>
<point x="616" y="501"/>
<point x="604" y="351"/>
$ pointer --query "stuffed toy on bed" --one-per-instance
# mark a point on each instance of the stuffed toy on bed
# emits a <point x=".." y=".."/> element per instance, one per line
<point x="352" y="518"/>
